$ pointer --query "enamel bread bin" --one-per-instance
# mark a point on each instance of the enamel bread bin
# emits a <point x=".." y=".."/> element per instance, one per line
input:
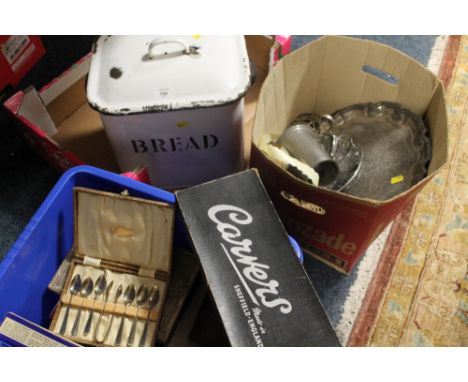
<point x="172" y="103"/>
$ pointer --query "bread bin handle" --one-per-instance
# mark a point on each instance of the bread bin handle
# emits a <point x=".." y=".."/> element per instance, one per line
<point x="185" y="49"/>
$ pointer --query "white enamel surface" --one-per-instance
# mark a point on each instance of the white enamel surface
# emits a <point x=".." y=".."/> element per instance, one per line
<point x="219" y="73"/>
<point x="179" y="133"/>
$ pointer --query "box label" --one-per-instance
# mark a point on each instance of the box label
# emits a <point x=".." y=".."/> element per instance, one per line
<point x="23" y="59"/>
<point x="159" y="145"/>
<point x="17" y="50"/>
<point x="13" y="47"/>
<point x="337" y="242"/>
<point x="26" y="336"/>
<point x="252" y="317"/>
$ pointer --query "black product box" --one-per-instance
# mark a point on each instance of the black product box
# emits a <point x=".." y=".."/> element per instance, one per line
<point x="261" y="291"/>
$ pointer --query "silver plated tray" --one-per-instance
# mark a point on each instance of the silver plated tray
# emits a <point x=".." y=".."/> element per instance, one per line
<point x="395" y="147"/>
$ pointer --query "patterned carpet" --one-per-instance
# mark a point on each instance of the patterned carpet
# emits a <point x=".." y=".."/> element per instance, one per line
<point x="418" y="295"/>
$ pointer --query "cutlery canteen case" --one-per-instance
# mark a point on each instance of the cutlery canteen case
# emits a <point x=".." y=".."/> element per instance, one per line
<point x="130" y="240"/>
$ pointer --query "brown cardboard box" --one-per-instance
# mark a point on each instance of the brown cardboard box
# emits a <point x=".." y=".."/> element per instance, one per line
<point x="61" y="126"/>
<point x="322" y="77"/>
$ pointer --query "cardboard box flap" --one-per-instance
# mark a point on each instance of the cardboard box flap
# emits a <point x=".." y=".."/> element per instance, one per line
<point x="123" y="229"/>
<point x="344" y="74"/>
<point x="346" y="71"/>
<point x="436" y="119"/>
<point x="32" y="108"/>
<point x="361" y="61"/>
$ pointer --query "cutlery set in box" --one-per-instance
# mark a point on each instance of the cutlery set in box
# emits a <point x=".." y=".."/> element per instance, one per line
<point x="117" y="282"/>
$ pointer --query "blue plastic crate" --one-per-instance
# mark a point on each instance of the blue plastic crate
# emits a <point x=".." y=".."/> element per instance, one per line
<point x="29" y="266"/>
<point x="31" y="263"/>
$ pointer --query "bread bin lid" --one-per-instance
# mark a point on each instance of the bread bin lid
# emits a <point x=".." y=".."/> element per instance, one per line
<point x="139" y="74"/>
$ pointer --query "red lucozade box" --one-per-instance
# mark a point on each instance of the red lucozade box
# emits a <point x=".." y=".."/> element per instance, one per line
<point x="321" y="77"/>
<point x="18" y="54"/>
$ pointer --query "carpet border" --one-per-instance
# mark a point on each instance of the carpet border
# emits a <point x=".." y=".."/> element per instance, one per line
<point x="378" y="286"/>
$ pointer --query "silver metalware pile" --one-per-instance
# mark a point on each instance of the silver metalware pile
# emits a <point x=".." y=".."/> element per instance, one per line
<point x="369" y="150"/>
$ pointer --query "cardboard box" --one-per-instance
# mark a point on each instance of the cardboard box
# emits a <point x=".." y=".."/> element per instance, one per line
<point x="18" y="54"/>
<point x="322" y="77"/>
<point x="261" y="291"/>
<point x="62" y="128"/>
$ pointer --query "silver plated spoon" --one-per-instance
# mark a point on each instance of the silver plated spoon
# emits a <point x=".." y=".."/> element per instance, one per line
<point x="128" y="298"/>
<point x="152" y="302"/>
<point x="106" y="297"/>
<point x="85" y="291"/>
<point x="74" y="288"/>
<point x="141" y="297"/>
<point x="99" y="289"/>
<point x="118" y="292"/>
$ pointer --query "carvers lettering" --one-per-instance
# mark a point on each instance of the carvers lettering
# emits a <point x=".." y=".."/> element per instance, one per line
<point x="238" y="252"/>
<point x="159" y="145"/>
